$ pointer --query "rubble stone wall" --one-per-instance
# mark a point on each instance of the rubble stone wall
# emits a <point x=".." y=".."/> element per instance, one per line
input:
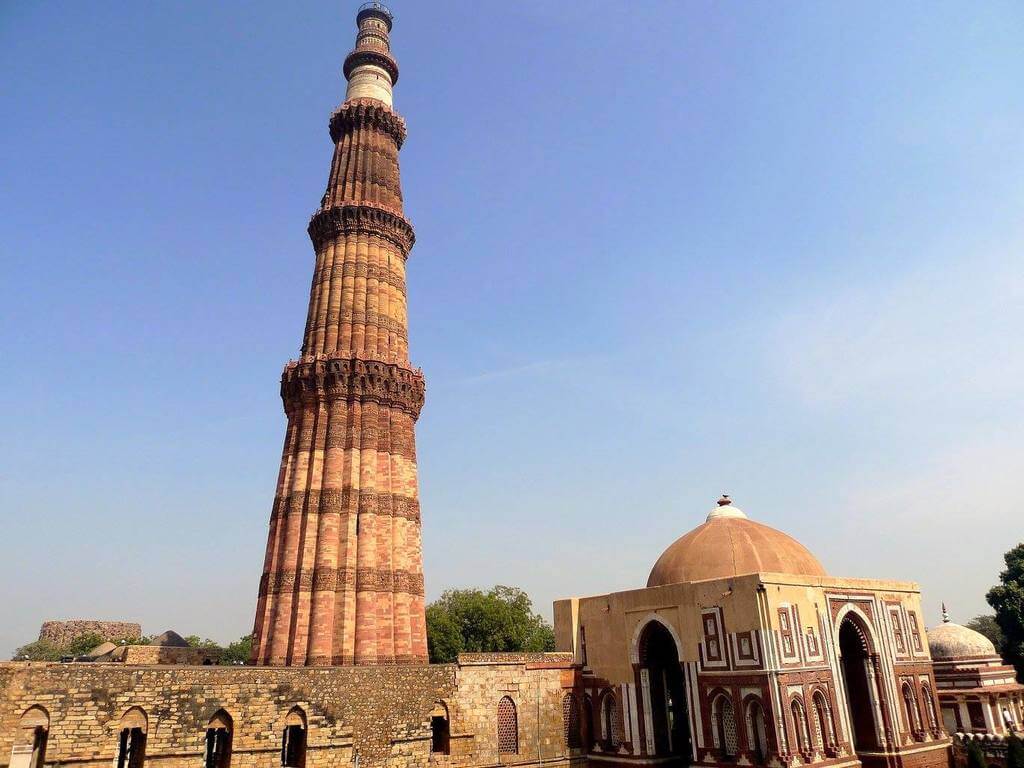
<point x="381" y="712"/>
<point x="61" y="633"/>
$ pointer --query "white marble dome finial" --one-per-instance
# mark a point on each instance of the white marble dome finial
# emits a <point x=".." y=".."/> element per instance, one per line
<point x="725" y="508"/>
<point x="945" y="614"/>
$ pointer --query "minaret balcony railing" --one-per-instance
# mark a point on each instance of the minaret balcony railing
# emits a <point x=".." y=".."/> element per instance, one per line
<point x="378" y="57"/>
<point x="375" y="6"/>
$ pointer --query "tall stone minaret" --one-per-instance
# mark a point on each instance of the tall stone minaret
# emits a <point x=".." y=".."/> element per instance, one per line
<point x="343" y="575"/>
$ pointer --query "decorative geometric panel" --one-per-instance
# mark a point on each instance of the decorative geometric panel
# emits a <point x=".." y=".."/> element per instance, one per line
<point x="508" y="727"/>
<point x="611" y="725"/>
<point x="729" y="727"/>
<point x="571" y="721"/>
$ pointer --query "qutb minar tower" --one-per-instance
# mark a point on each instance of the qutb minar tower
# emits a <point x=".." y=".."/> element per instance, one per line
<point x="343" y="576"/>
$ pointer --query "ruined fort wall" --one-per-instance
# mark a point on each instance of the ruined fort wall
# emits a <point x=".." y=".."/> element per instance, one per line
<point x="61" y="633"/>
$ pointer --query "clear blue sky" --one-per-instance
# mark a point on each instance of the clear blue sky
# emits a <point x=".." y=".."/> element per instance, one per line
<point x="665" y="250"/>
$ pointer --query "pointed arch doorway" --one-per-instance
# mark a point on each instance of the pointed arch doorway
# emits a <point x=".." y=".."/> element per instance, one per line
<point x="855" y="656"/>
<point x="662" y="676"/>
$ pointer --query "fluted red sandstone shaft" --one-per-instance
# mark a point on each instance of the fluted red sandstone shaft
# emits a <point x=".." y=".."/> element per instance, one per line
<point x="343" y="577"/>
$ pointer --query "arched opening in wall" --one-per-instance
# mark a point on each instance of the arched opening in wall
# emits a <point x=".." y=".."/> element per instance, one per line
<point x="611" y="732"/>
<point x="911" y="712"/>
<point x="588" y="723"/>
<point x="508" y="727"/>
<point x="823" y="723"/>
<point x="803" y="742"/>
<point x="929" y="707"/>
<point x="131" y="745"/>
<point x="757" y="733"/>
<point x="440" y="730"/>
<point x="218" y="741"/>
<point x="724" y="718"/>
<point x="662" y="675"/>
<point x="29" y="747"/>
<point x="293" y="740"/>
<point x="858" y="675"/>
<point x="571" y="721"/>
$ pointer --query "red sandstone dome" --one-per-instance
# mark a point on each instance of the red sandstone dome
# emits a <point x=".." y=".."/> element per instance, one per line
<point x="730" y="544"/>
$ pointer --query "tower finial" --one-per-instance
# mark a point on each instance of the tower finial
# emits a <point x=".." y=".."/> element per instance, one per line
<point x="945" y="614"/>
<point x="370" y="68"/>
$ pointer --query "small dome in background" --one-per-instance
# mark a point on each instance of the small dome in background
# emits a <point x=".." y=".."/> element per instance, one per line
<point x="949" y="642"/>
<point x="731" y="544"/>
<point x="170" y="639"/>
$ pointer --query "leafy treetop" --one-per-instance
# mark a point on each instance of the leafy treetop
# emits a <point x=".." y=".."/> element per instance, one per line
<point x="43" y="650"/>
<point x="470" y="620"/>
<point x="1007" y="600"/>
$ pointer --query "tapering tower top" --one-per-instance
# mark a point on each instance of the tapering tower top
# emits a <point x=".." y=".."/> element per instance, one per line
<point x="370" y="68"/>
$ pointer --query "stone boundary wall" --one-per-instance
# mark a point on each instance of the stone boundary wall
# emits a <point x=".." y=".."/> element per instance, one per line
<point x="61" y="633"/>
<point x="164" y="654"/>
<point x="465" y="659"/>
<point x="382" y="713"/>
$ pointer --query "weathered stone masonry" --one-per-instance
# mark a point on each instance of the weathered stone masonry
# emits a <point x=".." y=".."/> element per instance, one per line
<point x="342" y="579"/>
<point x="62" y="633"/>
<point x="383" y="713"/>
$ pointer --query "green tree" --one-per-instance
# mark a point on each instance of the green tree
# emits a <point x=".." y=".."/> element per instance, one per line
<point x="986" y="624"/>
<point x="473" y="621"/>
<point x="195" y="641"/>
<point x="1014" y="753"/>
<point x="44" y="650"/>
<point x="40" y="650"/>
<point x="975" y="757"/>
<point x="1007" y="600"/>
<point x="238" y="651"/>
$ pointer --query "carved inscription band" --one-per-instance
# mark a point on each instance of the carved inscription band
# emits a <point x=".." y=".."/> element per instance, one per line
<point x="360" y="269"/>
<point x="347" y="500"/>
<point x="334" y="579"/>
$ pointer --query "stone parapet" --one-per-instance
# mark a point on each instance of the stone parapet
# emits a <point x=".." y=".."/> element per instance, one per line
<point x="361" y="218"/>
<point x="354" y="379"/>
<point x="368" y="113"/>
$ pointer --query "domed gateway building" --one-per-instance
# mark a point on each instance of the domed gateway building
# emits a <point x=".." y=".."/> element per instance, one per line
<point x="743" y="650"/>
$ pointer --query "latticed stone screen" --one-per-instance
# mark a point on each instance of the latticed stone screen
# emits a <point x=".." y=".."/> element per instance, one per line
<point x="725" y="731"/>
<point x="508" y="727"/>
<point x="611" y="723"/>
<point x="571" y="721"/>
